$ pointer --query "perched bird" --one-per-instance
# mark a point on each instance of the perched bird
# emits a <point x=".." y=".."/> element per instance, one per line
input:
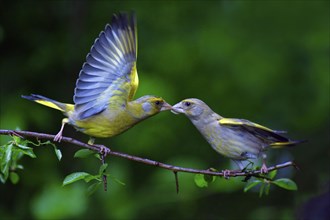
<point x="238" y="139"/>
<point x="103" y="97"/>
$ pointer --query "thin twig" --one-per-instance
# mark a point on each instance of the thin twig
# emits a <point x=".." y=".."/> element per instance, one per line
<point x="176" y="181"/>
<point x="105" y="182"/>
<point x="175" y="169"/>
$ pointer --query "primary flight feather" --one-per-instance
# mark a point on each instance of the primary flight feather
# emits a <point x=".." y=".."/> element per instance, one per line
<point x="103" y="98"/>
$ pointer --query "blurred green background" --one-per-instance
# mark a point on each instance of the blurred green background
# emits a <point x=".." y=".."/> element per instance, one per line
<point x="264" y="61"/>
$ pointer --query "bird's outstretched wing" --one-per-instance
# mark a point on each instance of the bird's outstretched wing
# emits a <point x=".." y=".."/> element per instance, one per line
<point x="268" y="135"/>
<point x="109" y="74"/>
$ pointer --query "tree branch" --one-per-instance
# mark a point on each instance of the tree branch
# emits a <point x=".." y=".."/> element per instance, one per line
<point x="175" y="169"/>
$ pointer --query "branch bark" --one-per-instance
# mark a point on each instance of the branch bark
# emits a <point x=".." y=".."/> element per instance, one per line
<point x="102" y="149"/>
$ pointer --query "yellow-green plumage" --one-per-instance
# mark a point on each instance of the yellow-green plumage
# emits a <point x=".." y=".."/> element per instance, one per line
<point x="238" y="139"/>
<point x="103" y="98"/>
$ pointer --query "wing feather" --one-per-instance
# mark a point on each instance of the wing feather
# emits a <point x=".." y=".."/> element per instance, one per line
<point x="266" y="134"/>
<point x="109" y="74"/>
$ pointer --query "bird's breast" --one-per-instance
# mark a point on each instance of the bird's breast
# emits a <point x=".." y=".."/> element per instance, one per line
<point x="108" y="123"/>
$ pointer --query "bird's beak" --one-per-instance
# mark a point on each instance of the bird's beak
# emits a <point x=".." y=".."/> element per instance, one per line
<point x="177" y="109"/>
<point x="166" y="107"/>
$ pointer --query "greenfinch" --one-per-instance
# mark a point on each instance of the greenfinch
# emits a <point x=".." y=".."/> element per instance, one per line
<point x="103" y="98"/>
<point x="237" y="139"/>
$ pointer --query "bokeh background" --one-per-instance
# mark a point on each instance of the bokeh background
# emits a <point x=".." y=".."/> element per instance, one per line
<point x="266" y="61"/>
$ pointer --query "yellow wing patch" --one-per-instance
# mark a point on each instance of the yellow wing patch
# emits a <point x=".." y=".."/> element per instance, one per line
<point x="134" y="82"/>
<point x="233" y="121"/>
<point x="284" y="144"/>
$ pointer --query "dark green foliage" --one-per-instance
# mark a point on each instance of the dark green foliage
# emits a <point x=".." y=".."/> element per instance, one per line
<point x="13" y="151"/>
<point x="264" y="184"/>
<point x="73" y="177"/>
<point x="266" y="61"/>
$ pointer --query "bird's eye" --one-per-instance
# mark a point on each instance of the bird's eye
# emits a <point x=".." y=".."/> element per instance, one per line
<point x="157" y="102"/>
<point x="187" y="104"/>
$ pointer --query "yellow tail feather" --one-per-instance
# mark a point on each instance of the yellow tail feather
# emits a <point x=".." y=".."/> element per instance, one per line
<point x="63" y="107"/>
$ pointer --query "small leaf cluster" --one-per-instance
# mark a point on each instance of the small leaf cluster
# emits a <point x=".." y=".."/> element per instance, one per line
<point x="263" y="182"/>
<point x="13" y="151"/>
<point x="266" y="182"/>
<point x="87" y="177"/>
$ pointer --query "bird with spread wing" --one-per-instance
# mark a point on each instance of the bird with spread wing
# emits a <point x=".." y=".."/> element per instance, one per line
<point x="238" y="139"/>
<point x="103" y="98"/>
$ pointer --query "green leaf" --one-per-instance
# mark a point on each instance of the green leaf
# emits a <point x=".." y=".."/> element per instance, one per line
<point x="209" y="178"/>
<point x="2" y="179"/>
<point x="83" y="153"/>
<point x="92" y="188"/>
<point x="272" y="174"/>
<point x="267" y="187"/>
<point x="23" y="147"/>
<point x="18" y="140"/>
<point x="285" y="183"/>
<point x="200" y="181"/>
<point x="19" y="166"/>
<point x="58" y="153"/>
<point x="252" y="184"/>
<point x="73" y="177"/>
<point x="8" y="153"/>
<point x="14" y="177"/>
<point x="6" y="160"/>
<point x="28" y="152"/>
<point x="98" y="156"/>
<point x="119" y="182"/>
<point x="102" y="168"/>
<point x="91" y="177"/>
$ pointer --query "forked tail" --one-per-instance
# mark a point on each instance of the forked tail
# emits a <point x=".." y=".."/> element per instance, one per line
<point x="63" y="107"/>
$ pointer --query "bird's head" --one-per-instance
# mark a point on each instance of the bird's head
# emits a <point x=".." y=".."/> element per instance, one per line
<point x="192" y="108"/>
<point x="152" y="105"/>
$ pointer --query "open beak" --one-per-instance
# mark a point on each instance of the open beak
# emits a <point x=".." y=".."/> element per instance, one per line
<point x="166" y="107"/>
<point x="177" y="109"/>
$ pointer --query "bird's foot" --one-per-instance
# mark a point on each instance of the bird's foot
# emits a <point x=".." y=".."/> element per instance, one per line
<point x="264" y="169"/>
<point x="58" y="137"/>
<point x="228" y="173"/>
<point x="103" y="150"/>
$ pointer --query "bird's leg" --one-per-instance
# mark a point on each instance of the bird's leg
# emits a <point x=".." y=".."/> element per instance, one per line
<point x="103" y="150"/>
<point x="58" y="136"/>
<point x="226" y="173"/>
<point x="264" y="168"/>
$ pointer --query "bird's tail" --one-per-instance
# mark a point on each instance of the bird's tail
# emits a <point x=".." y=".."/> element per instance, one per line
<point x="63" y="107"/>
<point x="288" y="143"/>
